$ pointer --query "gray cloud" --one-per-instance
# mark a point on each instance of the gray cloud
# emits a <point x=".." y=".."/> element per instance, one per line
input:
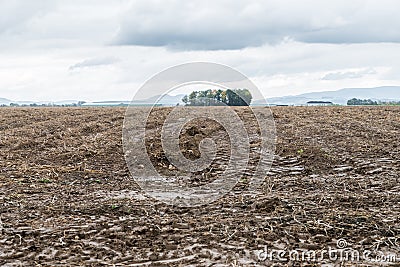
<point x="235" y="25"/>
<point x="348" y="74"/>
<point x="55" y="23"/>
<point x="196" y="25"/>
<point x="94" y="62"/>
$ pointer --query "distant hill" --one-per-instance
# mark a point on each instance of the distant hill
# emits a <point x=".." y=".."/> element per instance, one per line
<point x="66" y="102"/>
<point x="384" y="93"/>
<point x="165" y="100"/>
<point x="4" y="101"/>
<point x="106" y="103"/>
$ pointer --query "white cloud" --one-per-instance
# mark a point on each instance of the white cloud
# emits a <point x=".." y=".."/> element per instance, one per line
<point x="94" y="62"/>
<point x="341" y="75"/>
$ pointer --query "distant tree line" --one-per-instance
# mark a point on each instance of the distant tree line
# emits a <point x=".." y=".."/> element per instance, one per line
<point x="360" y="102"/>
<point x="230" y="97"/>
<point x="80" y="103"/>
<point x="389" y="103"/>
<point x="369" y="102"/>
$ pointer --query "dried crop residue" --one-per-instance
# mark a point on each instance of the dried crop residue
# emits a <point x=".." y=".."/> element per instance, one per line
<point x="67" y="198"/>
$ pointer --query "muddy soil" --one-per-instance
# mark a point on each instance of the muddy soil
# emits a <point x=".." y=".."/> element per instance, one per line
<point x="67" y="197"/>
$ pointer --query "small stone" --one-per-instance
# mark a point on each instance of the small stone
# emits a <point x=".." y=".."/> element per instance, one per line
<point x="171" y="167"/>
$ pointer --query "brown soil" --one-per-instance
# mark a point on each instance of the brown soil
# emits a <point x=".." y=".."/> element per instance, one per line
<point x="67" y="198"/>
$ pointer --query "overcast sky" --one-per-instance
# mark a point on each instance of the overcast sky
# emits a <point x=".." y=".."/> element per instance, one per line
<point x="102" y="49"/>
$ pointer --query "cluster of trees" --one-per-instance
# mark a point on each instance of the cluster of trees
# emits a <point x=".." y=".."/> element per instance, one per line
<point x="230" y="97"/>
<point x="369" y="102"/>
<point x="356" y="102"/>
<point x="390" y="103"/>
